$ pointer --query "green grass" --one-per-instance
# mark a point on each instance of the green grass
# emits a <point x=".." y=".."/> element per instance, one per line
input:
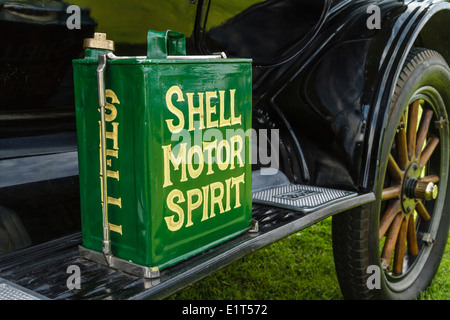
<point x="299" y="267"/>
<point x="440" y="287"/>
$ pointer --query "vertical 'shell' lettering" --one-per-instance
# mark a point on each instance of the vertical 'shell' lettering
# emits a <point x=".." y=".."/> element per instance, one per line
<point x="111" y="154"/>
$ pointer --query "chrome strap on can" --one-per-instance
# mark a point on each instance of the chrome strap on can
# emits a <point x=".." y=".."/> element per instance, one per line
<point x="106" y="245"/>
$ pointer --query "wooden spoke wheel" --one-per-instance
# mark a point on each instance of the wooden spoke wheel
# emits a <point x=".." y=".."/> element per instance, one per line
<point x="404" y="232"/>
<point x="411" y="184"/>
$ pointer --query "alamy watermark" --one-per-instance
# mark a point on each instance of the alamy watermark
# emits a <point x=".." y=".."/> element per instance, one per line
<point x="74" y="20"/>
<point x="374" y="20"/>
<point x="226" y="148"/>
<point x="374" y="280"/>
<point x="74" y="280"/>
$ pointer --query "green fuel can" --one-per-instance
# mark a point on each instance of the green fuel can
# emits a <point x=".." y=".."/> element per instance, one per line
<point x="164" y="152"/>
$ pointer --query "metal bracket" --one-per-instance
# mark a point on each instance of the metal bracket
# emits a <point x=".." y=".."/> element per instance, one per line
<point x="441" y="123"/>
<point x="254" y="227"/>
<point x="119" y="264"/>
<point x="428" y="239"/>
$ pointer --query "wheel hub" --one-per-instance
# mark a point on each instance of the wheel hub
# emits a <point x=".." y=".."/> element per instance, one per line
<point x="414" y="189"/>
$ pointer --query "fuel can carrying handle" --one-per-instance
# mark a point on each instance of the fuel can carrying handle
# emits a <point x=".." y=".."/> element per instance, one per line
<point x="161" y="44"/>
<point x="172" y="45"/>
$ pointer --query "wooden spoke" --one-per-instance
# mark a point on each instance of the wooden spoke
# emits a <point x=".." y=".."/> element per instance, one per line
<point x="423" y="131"/>
<point x="392" y="211"/>
<point x="412" y="238"/>
<point x="422" y="211"/>
<point x="413" y="117"/>
<point x="402" y="148"/>
<point x="391" y="239"/>
<point x="391" y="192"/>
<point x="428" y="151"/>
<point x="431" y="178"/>
<point x="400" y="246"/>
<point x="394" y="170"/>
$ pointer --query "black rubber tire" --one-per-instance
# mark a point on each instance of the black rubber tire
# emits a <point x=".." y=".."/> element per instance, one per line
<point x="355" y="232"/>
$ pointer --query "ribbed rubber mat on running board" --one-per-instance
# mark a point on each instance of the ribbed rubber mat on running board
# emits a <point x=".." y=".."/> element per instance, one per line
<point x="301" y="197"/>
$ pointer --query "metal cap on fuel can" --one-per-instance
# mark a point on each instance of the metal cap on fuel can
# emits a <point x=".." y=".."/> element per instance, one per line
<point x="99" y="41"/>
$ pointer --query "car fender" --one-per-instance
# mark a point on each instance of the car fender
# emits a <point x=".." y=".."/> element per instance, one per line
<point x="334" y="95"/>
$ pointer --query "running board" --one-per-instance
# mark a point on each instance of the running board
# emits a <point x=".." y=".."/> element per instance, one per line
<point x="35" y="266"/>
